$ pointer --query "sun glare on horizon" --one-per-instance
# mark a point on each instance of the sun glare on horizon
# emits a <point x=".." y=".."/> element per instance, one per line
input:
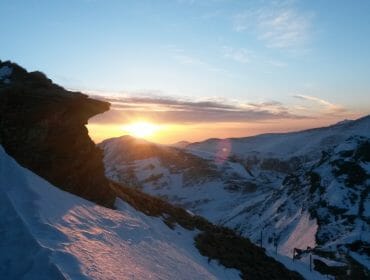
<point x="141" y="129"/>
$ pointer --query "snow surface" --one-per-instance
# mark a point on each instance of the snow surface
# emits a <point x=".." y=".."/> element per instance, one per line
<point x="284" y="145"/>
<point x="46" y="233"/>
<point x="210" y="199"/>
<point x="302" y="235"/>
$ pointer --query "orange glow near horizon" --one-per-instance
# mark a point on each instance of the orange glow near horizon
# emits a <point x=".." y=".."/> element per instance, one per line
<point x="172" y="133"/>
<point x="158" y="133"/>
<point x="141" y="129"/>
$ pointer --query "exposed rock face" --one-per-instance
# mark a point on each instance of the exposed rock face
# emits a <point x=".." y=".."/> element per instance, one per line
<point x="42" y="126"/>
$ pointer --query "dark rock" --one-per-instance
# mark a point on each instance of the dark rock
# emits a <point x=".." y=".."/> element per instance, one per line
<point x="42" y="126"/>
<point x="323" y="268"/>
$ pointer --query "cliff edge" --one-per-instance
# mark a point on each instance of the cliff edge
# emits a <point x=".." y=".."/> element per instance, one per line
<point x="42" y="126"/>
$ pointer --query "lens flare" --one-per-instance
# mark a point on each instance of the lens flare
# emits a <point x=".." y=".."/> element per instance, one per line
<point x="223" y="151"/>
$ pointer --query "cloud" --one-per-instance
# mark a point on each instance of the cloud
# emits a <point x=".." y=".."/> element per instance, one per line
<point x="328" y="107"/>
<point x="279" y="24"/>
<point x="169" y="110"/>
<point x="240" y="55"/>
<point x="272" y="105"/>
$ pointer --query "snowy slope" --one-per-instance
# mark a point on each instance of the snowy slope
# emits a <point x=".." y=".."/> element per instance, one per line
<point x="308" y="143"/>
<point x="173" y="174"/>
<point x="294" y="195"/>
<point x="50" y="234"/>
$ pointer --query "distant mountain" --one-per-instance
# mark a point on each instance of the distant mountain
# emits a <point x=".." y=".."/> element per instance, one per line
<point x="181" y="144"/>
<point x="306" y="144"/>
<point x="301" y="189"/>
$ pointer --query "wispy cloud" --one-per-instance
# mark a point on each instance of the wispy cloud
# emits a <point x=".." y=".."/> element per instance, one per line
<point x="279" y="24"/>
<point x="326" y="106"/>
<point x="169" y="110"/>
<point x="275" y="106"/>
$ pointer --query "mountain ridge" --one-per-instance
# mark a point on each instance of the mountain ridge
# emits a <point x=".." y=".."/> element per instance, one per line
<point x="254" y="193"/>
<point x="280" y="144"/>
<point x="343" y="122"/>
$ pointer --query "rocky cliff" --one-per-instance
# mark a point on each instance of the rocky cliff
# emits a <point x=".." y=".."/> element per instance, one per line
<point x="42" y="126"/>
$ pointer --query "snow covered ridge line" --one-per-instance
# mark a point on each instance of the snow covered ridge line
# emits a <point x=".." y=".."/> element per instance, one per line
<point x="283" y="145"/>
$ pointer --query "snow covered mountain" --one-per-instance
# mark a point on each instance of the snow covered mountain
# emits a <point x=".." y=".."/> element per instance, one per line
<point x="181" y="144"/>
<point x="50" y="234"/>
<point x="306" y="144"/>
<point x="297" y="190"/>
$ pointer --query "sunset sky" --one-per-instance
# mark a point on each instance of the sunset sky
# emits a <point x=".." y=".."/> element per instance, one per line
<point x="195" y="69"/>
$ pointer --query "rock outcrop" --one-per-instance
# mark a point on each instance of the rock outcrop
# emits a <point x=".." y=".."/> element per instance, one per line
<point x="42" y="126"/>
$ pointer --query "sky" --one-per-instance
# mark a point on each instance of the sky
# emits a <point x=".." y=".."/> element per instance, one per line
<point x="197" y="69"/>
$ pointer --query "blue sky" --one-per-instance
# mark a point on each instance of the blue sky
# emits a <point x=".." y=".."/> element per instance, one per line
<point x="311" y="57"/>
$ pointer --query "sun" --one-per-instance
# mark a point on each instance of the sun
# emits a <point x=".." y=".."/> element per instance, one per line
<point x="141" y="129"/>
